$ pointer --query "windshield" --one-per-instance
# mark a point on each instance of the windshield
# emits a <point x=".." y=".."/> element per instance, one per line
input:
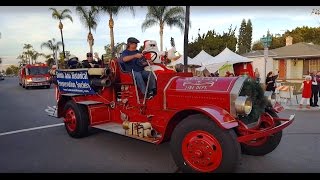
<point x="37" y="70"/>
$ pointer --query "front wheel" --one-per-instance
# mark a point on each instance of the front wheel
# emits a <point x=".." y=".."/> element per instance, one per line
<point x="199" y="145"/>
<point x="264" y="145"/>
<point x="76" y="119"/>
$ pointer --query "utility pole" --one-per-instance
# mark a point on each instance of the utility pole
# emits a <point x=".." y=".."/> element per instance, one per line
<point x="186" y="31"/>
<point x="266" y="41"/>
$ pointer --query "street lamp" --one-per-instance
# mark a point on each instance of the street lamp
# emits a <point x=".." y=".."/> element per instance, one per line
<point x="266" y="41"/>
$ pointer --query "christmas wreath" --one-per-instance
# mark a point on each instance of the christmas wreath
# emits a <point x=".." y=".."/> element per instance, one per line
<point x="254" y="90"/>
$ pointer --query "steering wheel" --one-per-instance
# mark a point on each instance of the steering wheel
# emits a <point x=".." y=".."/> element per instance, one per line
<point x="153" y="57"/>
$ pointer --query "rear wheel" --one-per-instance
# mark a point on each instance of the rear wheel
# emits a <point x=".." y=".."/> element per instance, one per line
<point x="264" y="145"/>
<point x="76" y="119"/>
<point x="199" y="145"/>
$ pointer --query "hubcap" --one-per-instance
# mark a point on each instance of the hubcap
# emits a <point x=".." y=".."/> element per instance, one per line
<point x="70" y="120"/>
<point x="202" y="151"/>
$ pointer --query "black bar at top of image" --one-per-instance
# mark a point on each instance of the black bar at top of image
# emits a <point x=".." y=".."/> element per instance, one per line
<point x="158" y="3"/>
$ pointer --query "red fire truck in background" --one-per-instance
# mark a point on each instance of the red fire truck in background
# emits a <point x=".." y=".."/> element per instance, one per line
<point x="32" y="75"/>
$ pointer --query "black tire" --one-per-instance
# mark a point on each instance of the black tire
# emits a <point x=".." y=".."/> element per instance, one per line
<point x="231" y="151"/>
<point x="82" y="119"/>
<point x="27" y="87"/>
<point x="47" y="87"/>
<point x="271" y="144"/>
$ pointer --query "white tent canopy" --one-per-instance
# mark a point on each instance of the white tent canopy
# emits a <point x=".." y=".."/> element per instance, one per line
<point x="226" y="57"/>
<point x="203" y="58"/>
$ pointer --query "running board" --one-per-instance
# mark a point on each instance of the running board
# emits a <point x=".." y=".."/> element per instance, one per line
<point x="117" y="128"/>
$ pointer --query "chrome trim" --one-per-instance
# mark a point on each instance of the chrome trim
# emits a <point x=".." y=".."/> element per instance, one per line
<point x="71" y="95"/>
<point x="164" y="92"/>
<point x="89" y="102"/>
<point x="234" y="93"/>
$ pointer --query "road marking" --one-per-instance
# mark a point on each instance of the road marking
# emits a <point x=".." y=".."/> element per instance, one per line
<point x="31" y="129"/>
<point x="51" y="111"/>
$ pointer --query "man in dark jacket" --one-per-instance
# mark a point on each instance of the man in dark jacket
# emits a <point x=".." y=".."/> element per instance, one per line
<point x="90" y="62"/>
<point x="315" y="89"/>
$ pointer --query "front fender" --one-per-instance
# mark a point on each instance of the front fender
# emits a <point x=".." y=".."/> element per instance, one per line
<point x="220" y="116"/>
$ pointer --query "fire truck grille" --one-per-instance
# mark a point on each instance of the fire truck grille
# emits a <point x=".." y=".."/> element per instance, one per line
<point x="41" y="79"/>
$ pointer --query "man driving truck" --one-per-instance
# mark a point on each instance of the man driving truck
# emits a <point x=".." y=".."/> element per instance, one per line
<point x="130" y="58"/>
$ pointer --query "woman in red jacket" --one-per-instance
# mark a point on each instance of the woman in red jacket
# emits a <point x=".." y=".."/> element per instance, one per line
<point x="306" y="91"/>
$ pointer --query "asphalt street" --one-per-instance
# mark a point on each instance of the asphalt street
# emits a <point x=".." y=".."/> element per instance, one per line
<point x="50" y="149"/>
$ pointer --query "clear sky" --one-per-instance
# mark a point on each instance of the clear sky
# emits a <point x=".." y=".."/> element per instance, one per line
<point x="34" y="25"/>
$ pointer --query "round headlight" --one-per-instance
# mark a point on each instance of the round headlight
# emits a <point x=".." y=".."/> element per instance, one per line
<point x="271" y="97"/>
<point x="243" y="105"/>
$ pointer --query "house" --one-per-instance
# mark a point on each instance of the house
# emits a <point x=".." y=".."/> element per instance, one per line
<point x="292" y="61"/>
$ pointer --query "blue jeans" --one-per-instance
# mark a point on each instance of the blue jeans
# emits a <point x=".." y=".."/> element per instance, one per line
<point x="141" y="77"/>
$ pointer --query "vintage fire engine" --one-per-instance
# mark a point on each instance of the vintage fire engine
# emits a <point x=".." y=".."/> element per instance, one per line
<point x="204" y="118"/>
<point x="32" y="75"/>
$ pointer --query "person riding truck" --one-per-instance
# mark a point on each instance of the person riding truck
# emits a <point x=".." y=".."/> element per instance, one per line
<point x="130" y="58"/>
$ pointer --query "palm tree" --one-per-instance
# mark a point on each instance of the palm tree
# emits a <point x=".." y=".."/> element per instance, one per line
<point x="28" y="52"/>
<point x="60" y="15"/>
<point x="23" y="59"/>
<point x="89" y="18"/>
<point x="49" y="60"/>
<point x="113" y="11"/>
<point x="35" y="55"/>
<point x="163" y="15"/>
<point x="53" y="46"/>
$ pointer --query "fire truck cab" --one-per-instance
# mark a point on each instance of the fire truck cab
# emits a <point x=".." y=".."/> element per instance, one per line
<point x="34" y="75"/>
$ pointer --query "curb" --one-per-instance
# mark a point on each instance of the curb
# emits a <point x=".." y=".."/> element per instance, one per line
<point x="296" y="107"/>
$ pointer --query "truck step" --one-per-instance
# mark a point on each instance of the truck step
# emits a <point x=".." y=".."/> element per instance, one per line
<point x="117" y="128"/>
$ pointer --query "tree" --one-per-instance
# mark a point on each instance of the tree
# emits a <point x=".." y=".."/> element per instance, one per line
<point x="61" y="15"/>
<point x="89" y="18"/>
<point x="163" y="15"/>
<point x="23" y="59"/>
<point x="257" y="45"/>
<point x="28" y="52"/>
<point x="213" y="43"/>
<point x="241" y="38"/>
<point x="53" y="46"/>
<point x="35" y="55"/>
<point x="9" y="71"/>
<point x="113" y="11"/>
<point x="248" y="36"/>
<point x="14" y="69"/>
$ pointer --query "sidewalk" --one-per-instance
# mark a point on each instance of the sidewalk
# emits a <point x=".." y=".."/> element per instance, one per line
<point x="291" y="104"/>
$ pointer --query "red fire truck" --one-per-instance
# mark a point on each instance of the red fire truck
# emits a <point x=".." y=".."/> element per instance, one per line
<point x="209" y="121"/>
<point x="33" y="75"/>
